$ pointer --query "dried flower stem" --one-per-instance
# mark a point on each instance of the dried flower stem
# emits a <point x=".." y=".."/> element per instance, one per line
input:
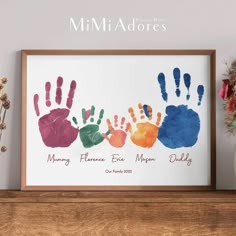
<point x="4" y="116"/>
<point x="4" y="106"/>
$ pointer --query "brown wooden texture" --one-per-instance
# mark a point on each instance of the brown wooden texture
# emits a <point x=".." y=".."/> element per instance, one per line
<point x="117" y="213"/>
<point x="118" y="197"/>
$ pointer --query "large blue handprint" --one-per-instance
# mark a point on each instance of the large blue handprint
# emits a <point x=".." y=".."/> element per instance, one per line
<point x="181" y="125"/>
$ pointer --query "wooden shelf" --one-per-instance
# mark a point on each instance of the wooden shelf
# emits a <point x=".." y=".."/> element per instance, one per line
<point x="119" y="197"/>
<point x="118" y="213"/>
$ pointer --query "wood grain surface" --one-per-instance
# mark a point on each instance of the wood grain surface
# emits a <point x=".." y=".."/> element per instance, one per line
<point x="119" y="197"/>
<point x="117" y="213"/>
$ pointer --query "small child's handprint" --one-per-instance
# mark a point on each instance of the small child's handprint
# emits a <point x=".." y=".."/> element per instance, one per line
<point x="181" y="125"/>
<point x="118" y="135"/>
<point x="89" y="134"/>
<point x="55" y="129"/>
<point x="146" y="132"/>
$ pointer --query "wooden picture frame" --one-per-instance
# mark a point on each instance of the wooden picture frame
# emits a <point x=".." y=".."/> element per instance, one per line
<point x="123" y="120"/>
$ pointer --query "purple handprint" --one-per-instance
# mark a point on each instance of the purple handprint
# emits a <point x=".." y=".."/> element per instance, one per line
<point x="55" y="129"/>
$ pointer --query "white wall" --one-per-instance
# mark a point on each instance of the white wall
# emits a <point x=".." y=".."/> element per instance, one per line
<point x="191" y="24"/>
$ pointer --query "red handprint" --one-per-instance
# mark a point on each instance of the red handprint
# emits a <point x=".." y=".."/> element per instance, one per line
<point x="55" y="129"/>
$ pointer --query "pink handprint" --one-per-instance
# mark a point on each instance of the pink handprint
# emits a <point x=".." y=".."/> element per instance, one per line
<point x="55" y="129"/>
<point x="118" y="136"/>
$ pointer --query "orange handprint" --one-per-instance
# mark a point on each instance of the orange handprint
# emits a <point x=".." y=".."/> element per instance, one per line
<point x="118" y="136"/>
<point x="146" y="133"/>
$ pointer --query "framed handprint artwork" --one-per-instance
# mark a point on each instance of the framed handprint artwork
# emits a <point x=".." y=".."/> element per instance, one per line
<point x="123" y="120"/>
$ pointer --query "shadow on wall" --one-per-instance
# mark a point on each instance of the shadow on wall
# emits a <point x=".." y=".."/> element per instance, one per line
<point x="14" y="153"/>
